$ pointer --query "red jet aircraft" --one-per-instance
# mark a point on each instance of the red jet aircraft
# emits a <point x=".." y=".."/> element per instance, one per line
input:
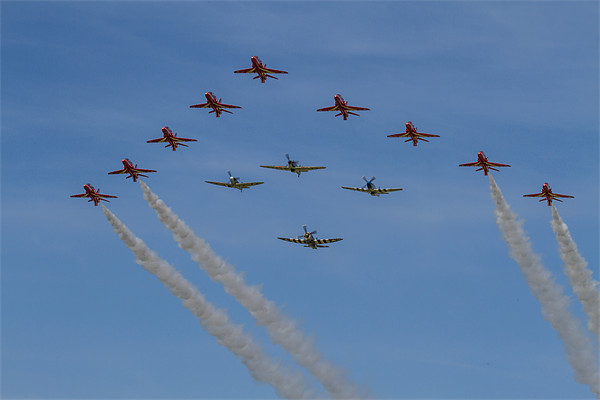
<point x="261" y="69"/>
<point x="217" y="106"/>
<point x="132" y="170"/>
<point x="412" y="134"/>
<point x="93" y="194"/>
<point x="483" y="162"/>
<point x="171" y="138"/>
<point x="342" y="106"/>
<point x="546" y="194"/>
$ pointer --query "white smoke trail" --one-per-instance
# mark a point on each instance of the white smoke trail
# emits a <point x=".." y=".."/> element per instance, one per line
<point x="554" y="303"/>
<point x="282" y="330"/>
<point x="584" y="286"/>
<point x="214" y="321"/>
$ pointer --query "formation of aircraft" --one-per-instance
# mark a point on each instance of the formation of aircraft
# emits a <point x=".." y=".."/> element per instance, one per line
<point x="93" y="194"/>
<point x="308" y="240"/>
<point x="216" y="105"/>
<point x="370" y="188"/>
<point x="546" y="194"/>
<point x="261" y="69"/>
<point x="171" y="139"/>
<point x="132" y="170"/>
<point x="235" y="183"/>
<point x="482" y="161"/>
<point x="342" y="106"/>
<point x="291" y="166"/>
<point x="412" y="134"/>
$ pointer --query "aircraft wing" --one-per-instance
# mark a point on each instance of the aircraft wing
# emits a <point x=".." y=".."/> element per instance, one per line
<point x="399" y="135"/>
<point x="274" y="71"/>
<point x="79" y="195"/>
<point x="301" y="241"/>
<point x="245" y="71"/>
<point x="471" y="164"/>
<point x="119" y="171"/>
<point x="387" y="190"/>
<point x="535" y="195"/>
<point x="304" y="169"/>
<point x="498" y="164"/>
<point x="203" y="105"/>
<point x="323" y="241"/>
<point x="245" y="185"/>
<point x="354" y="108"/>
<point x="332" y="108"/>
<point x="220" y="183"/>
<point x="427" y="134"/>
<point x="107" y="195"/>
<point x="159" y="140"/>
<point x="222" y="105"/>
<point x="143" y="170"/>
<point x="280" y="167"/>
<point x="566" y="196"/>
<point x="357" y="189"/>
<point x="182" y="139"/>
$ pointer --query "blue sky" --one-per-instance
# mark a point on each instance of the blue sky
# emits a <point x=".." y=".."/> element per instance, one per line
<point x="420" y="299"/>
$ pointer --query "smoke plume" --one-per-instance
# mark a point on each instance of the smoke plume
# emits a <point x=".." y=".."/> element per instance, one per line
<point x="214" y="321"/>
<point x="576" y="268"/>
<point x="554" y="303"/>
<point x="282" y="330"/>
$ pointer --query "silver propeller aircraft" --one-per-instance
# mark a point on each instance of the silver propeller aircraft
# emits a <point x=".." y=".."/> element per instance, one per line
<point x="235" y="183"/>
<point x="371" y="189"/>
<point x="308" y="240"/>
<point x="291" y="166"/>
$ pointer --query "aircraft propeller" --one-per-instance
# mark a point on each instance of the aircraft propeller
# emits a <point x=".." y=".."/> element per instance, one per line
<point x="368" y="182"/>
<point x="234" y="178"/>
<point x="306" y="231"/>
<point x="290" y="161"/>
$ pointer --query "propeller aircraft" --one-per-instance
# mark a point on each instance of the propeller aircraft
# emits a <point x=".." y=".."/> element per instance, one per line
<point x="235" y="183"/>
<point x="291" y="166"/>
<point x="309" y="240"/>
<point x="370" y="188"/>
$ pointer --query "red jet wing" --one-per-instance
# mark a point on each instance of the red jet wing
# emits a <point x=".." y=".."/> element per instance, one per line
<point x="223" y="105"/>
<point x="472" y="164"/>
<point x="354" y="108"/>
<point x="493" y="164"/>
<point x="332" y="108"/>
